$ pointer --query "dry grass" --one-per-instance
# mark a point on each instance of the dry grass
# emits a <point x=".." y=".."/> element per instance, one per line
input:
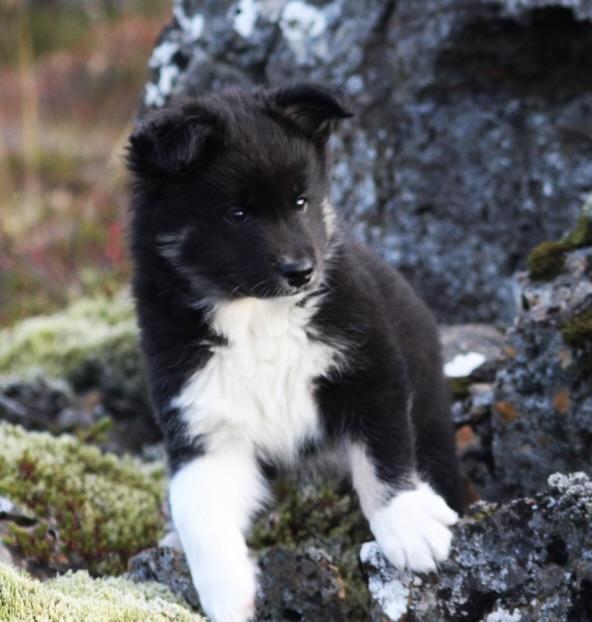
<point x="65" y="113"/>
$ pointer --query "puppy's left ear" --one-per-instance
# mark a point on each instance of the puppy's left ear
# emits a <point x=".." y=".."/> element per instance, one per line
<point x="313" y="108"/>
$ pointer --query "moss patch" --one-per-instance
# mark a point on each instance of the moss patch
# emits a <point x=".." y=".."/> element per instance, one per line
<point x="95" y="510"/>
<point x="75" y="596"/>
<point x="577" y="331"/>
<point x="547" y="260"/>
<point x="459" y="387"/>
<point x="93" y="343"/>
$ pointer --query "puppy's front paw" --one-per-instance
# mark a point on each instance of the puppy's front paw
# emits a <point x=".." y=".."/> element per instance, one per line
<point x="227" y="594"/>
<point x="413" y="529"/>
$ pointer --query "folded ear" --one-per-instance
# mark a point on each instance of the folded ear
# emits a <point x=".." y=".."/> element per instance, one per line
<point x="170" y="143"/>
<point x="311" y="107"/>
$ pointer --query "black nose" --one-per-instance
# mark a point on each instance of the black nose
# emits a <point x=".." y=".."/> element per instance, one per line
<point x="297" y="273"/>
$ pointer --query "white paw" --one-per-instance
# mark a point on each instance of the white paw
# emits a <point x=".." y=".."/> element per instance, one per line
<point x="412" y="530"/>
<point x="226" y="591"/>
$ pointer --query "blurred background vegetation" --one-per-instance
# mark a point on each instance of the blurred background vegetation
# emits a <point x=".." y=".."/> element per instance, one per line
<point x="70" y="75"/>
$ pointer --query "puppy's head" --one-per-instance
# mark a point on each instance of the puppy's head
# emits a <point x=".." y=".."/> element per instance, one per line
<point x="231" y="189"/>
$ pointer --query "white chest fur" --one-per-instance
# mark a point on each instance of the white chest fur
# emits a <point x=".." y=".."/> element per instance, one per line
<point x="259" y="387"/>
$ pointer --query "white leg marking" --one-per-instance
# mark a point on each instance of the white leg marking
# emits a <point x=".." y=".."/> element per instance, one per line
<point x="372" y="492"/>
<point x="412" y="530"/>
<point x="212" y="500"/>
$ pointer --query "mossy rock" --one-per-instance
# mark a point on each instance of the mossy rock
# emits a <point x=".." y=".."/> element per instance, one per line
<point x="74" y="597"/>
<point x="577" y="331"/>
<point x="547" y="260"/>
<point x="94" y="509"/>
<point x="93" y="344"/>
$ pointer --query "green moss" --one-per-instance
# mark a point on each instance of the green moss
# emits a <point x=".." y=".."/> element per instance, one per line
<point x="324" y="508"/>
<point x="95" y="510"/>
<point x="459" y="387"/>
<point x="96" y="433"/>
<point x="577" y="331"/>
<point x="74" y="597"/>
<point x="320" y="513"/>
<point x="92" y="343"/>
<point x="581" y="234"/>
<point x="547" y="260"/>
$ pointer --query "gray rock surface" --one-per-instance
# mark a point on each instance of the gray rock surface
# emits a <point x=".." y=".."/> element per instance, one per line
<point x="40" y="402"/>
<point x="11" y="514"/>
<point x="166" y="565"/>
<point x="542" y="415"/>
<point x="293" y="585"/>
<point x="527" y="561"/>
<point x="471" y="141"/>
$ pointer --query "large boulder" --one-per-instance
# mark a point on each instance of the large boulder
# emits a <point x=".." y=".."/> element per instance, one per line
<point x="542" y="416"/>
<point x="530" y="413"/>
<point x="527" y="561"/>
<point x="471" y="138"/>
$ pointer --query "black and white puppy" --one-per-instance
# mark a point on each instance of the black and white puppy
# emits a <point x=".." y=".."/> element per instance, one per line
<point x="267" y="332"/>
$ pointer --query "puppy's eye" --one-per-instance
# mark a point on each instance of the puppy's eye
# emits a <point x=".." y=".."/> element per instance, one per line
<point x="301" y="203"/>
<point x="236" y="216"/>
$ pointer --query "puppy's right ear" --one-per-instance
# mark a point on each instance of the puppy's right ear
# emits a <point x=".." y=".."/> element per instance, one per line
<point x="170" y="143"/>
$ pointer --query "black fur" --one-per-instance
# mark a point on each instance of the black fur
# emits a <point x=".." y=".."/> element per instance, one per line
<point x="198" y="162"/>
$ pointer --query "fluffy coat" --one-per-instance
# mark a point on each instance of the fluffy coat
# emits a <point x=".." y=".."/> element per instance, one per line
<point x="269" y="334"/>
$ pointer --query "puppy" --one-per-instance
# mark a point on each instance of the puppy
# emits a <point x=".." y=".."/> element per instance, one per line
<point x="267" y="332"/>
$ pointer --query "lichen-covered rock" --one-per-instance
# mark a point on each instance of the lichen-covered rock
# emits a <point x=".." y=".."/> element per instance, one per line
<point x="471" y="138"/>
<point x="92" y="510"/>
<point x="547" y="260"/>
<point x="167" y="566"/>
<point x="299" y="583"/>
<point x="92" y="345"/>
<point x="75" y="597"/>
<point x="527" y="561"/>
<point x="542" y="415"/>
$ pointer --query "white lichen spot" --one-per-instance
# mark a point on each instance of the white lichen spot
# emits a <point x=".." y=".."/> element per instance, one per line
<point x="354" y="85"/>
<point x="300" y="21"/>
<point x="163" y="54"/>
<point x="502" y="615"/>
<point x="392" y="597"/>
<point x="388" y="587"/>
<point x="565" y="483"/>
<point x="167" y="79"/>
<point x="244" y="17"/>
<point x="155" y="94"/>
<point x="463" y="364"/>
<point x="152" y="96"/>
<point x="191" y="26"/>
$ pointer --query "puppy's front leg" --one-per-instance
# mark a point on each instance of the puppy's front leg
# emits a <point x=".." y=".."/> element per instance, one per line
<point x="212" y="500"/>
<point x="409" y="520"/>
